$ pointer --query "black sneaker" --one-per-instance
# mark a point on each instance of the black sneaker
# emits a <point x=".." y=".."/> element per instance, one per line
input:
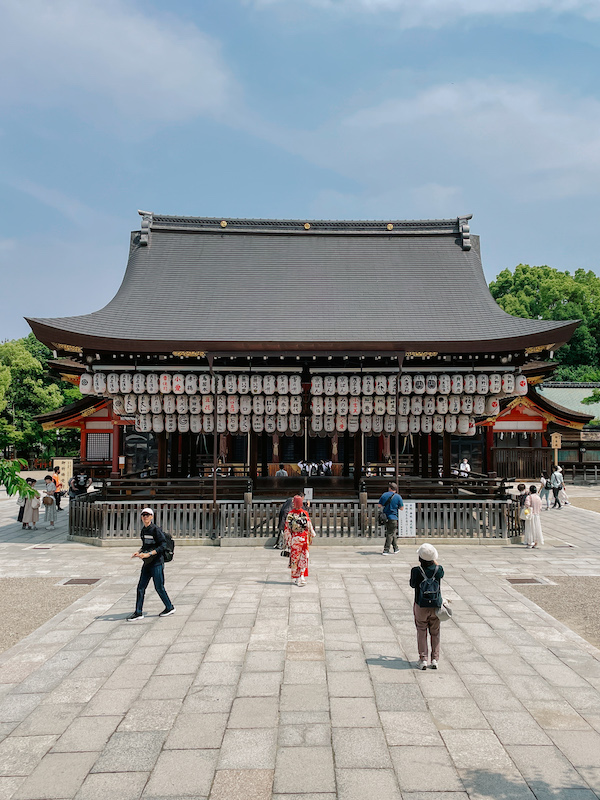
<point x="134" y="617"/>
<point x="167" y="612"/>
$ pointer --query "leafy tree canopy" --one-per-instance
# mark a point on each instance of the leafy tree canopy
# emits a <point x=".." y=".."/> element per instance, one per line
<point x="547" y="293"/>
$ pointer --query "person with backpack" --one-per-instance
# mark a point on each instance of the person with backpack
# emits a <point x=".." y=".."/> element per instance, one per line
<point x="426" y="581"/>
<point x="390" y="503"/>
<point x="557" y="483"/>
<point x="545" y="489"/>
<point x="156" y="548"/>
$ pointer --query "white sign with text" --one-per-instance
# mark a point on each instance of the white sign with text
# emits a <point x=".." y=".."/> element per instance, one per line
<point x="407" y="521"/>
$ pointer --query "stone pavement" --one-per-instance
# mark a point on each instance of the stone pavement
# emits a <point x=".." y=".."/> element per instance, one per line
<point x="257" y="689"/>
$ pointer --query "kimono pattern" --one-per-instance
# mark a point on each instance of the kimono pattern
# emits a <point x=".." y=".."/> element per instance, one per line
<point x="298" y="535"/>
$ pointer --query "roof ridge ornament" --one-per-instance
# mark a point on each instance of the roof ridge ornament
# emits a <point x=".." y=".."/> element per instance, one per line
<point x="145" y="227"/>
<point x="465" y="231"/>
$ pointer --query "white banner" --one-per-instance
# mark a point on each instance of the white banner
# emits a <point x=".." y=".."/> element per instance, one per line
<point x="407" y="521"/>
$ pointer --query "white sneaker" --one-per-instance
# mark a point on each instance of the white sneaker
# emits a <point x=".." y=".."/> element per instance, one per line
<point x="433" y="664"/>
<point x="422" y="664"/>
<point x="302" y="582"/>
<point x="385" y="553"/>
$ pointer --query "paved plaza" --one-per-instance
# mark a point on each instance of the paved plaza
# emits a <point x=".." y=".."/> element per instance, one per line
<point x="258" y="689"/>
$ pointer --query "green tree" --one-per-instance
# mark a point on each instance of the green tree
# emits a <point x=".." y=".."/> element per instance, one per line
<point x="11" y="480"/>
<point x="547" y="293"/>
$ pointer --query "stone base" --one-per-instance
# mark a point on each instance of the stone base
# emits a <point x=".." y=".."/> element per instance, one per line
<point x="269" y="541"/>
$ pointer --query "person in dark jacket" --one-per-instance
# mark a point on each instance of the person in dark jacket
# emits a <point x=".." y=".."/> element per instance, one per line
<point x="154" y="544"/>
<point x="426" y="618"/>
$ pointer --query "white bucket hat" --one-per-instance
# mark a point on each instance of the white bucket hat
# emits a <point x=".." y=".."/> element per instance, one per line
<point x="427" y="552"/>
<point x="147" y="511"/>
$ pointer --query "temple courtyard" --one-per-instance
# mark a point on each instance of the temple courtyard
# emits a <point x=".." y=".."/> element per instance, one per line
<point x="258" y="689"/>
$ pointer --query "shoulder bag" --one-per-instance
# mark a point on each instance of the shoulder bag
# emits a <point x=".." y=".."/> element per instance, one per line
<point x="382" y="516"/>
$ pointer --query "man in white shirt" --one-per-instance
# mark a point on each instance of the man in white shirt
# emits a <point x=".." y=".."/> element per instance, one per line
<point x="465" y="468"/>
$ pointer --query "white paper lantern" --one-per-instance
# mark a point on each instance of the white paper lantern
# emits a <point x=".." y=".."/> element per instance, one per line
<point x="118" y="405"/>
<point x="171" y="423"/>
<point x="207" y="405"/>
<point x="402" y="424"/>
<point x="508" y="383"/>
<point x="341" y="423"/>
<point x="329" y="405"/>
<point x="152" y="383"/>
<point x="246" y="404"/>
<point x="520" y="385"/>
<point x="233" y="404"/>
<point x="380" y="384"/>
<point x="390" y="404"/>
<point x="283" y="404"/>
<point x="245" y="422"/>
<point x="419" y="384"/>
<point x="495" y="384"/>
<point x="144" y="404"/>
<point x="389" y="423"/>
<point x="342" y="405"/>
<point x="208" y="423"/>
<point x="470" y="383"/>
<point x="282" y="384"/>
<point x="196" y="423"/>
<point x="233" y="423"/>
<point x="270" y="405"/>
<point x="404" y="406"/>
<point x="191" y="383"/>
<point x="472" y="427"/>
<point x="295" y="423"/>
<point x="316" y="424"/>
<point x="100" y="383"/>
<point x="86" y="384"/>
<point x="316" y="385"/>
<point x="178" y="383"/>
<point x="377" y="424"/>
<point x="158" y="423"/>
<point x="195" y="404"/>
<point x="354" y="407"/>
<point x="353" y="424"/>
<point x="406" y="384"/>
<point x="329" y="385"/>
<point x="462" y="424"/>
<point x="438" y="423"/>
<point x="456" y="384"/>
<point x="295" y="384"/>
<point x="379" y="405"/>
<point x="342" y="385"/>
<point x="218" y="384"/>
<point x="230" y="384"/>
<point x="243" y="384"/>
<point x="492" y="407"/>
<point x="391" y="387"/>
<point x="139" y="383"/>
<point x="204" y="384"/>
<point x="282" y="423"/>
<point x="426" y="424"/>
<point x="366" y="424"/>
<point x="368" y="384"/>
<point x="453" y="404"/>
<point x="258" y="423"/>
<point x="143" y="423"/>
<point x="183" y="423"/>
<point x="466" y="404"/>
<point x="450" y="423"/>
<point x="221" y="423"/>
<point x="156" y="406"/>
<point x="169" y="404"/>
<point x="112" y="383"/>
<point x="431" y="384"/>
<point x="444" y="384"/>
<point x="258" y="406"/>
<point x="414" y="424"/>
<point x="165" y="384"/>
<point x="221" y="404"/>
<point x="256" y="383"/>
<point x="429" y="405"/>
<point x="483" y="383"/>
<point x="355" y="385"/>
<point x="416" y="405"/>
<point x="130" y="401"/>
<point x="478" y="404"/>
<point x="296" y="404"/>
<point x="316" y="406"/>
<point x="182" y="404"/>
<point x="441" y="404"/>
<point x="329" y="423"/>
<point x="269" y="385"/>
<point x="125" y="383"/>
<point x="367" y="405"/>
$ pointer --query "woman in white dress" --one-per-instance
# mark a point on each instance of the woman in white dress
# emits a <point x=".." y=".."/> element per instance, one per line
<point x="533" y="524"/>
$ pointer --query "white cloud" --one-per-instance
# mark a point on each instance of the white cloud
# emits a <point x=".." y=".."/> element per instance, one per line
<point x="435" y="13"/>
<point x="109" y="58"/>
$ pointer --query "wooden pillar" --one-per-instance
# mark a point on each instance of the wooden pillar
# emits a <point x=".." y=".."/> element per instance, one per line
<point x="488" y="454"/>
<point x="116" y="450"/>
<point x="346" y="468"/>
<point x="416" y="454"/>
<point x="162" y="454"/>
<point x="447" y="454"/>
<point x="193" y="455"/>
<point x="334" y="449"/>
<point x="424" y="455"/>
<point x="264" y="462"/>
<point x="358" y="457"/>
<point x="174" y="455"/>
<point x="253" y="455"/>
<point x="435" y="449"/>
<point x="83" y="444"/>
<point x="185" y="455"/>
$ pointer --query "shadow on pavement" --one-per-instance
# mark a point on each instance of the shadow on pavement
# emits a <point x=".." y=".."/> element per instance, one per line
<point x="390" y="662"/>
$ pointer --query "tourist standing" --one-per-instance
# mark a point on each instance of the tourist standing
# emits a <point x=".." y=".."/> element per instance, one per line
<point x="58" y="484"/>
<point x="521" y="497"/>
<point x="533" y="524"/>
<point x="545" y="489"/>
<point x="49" y="503"/>
<point x="391" y="503"/>
<point x="281" y="472"/>
<point x="557" y="483"/>
<point x="151" y="553"/>
<point x="299" y="534"/>
<point x="424" y="579"/>
<point x="31" y="509"/>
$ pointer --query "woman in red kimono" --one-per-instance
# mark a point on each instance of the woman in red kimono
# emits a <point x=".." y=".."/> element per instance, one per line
<point x="298" y="533"/>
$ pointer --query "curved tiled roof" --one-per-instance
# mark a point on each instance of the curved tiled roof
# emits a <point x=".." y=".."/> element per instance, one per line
<point x="199" y="284"/>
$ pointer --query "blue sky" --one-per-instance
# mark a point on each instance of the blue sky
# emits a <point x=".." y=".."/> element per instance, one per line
<point x="387" y="109"/>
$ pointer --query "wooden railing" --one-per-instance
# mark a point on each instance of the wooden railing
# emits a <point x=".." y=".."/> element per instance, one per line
<point x="91" y="517"/>
<point x="521" y="462"/>
<point x="581" y="473"/>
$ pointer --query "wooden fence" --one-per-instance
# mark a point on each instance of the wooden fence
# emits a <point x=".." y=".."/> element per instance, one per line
<point x="92" y="518"/>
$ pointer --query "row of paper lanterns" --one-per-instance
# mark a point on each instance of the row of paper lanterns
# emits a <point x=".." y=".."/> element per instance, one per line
<point x="205" y="404"/>
<point x="458" y="383"/>
<point x="478" y="405"/>
<point x="293" y="424"/>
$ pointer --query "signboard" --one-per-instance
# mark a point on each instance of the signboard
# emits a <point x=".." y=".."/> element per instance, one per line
<point x="556" y="441"/>
<point x="308" y="493"/>
<point x="407" y="521"/>
<point x="66" y="471"/>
